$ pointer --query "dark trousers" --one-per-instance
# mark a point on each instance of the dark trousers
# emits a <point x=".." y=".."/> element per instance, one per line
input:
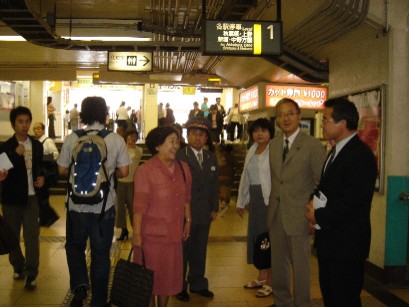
<point x="232" y="127"/>
<point x="122" y="123"/>
<point x="194" y="256"/>
<point x="26" y="217"/>
<point x="47" y="214"/>
<point x="80" y="227"/>
<point x="341" y="282"/>
<point x="51" y="129"/>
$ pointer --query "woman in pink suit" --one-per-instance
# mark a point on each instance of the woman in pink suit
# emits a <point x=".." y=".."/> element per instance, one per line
<point x="162" y="215"/>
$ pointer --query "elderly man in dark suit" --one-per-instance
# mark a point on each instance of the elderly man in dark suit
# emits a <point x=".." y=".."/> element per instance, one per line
<point x="341" y="207"/>
<point x="296" y="161"/>
<point x="204" y="205"/>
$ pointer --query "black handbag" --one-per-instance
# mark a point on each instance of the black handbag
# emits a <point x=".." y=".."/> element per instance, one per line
<point x="132" y="284"/>
<point x="262" y="252"/>
<point x="8" y="240"/>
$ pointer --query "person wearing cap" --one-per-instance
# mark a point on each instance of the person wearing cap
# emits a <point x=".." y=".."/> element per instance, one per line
<point x="204" y="205"/>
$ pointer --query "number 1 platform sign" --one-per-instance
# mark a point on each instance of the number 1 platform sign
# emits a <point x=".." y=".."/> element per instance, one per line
<point x="242" y="38"/>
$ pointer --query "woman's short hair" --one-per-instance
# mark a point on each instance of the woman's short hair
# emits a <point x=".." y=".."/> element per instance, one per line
<point x="129" y="132"/>
<point x="157" y="137"/>
<point x="262" y="123"/>
<point x="93" y="109"/>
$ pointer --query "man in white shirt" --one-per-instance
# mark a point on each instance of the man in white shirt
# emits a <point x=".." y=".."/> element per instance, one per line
<point x="122" y="116"/>
<point x="89" y="221"/>
<point x="74" y="118"/>
<point x="48" y="215"/>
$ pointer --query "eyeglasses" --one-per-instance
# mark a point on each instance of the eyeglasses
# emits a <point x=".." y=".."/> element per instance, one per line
<point x="289" y="114"/>
<point x="327" y="120"/>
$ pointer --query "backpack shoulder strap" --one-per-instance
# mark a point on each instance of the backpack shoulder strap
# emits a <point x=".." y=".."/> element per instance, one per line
<point x="44" y="140"/>
<point x="80" y="132"/>
<point x="104" y="132"/>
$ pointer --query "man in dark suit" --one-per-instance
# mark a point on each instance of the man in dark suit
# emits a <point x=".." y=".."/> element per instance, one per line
<point x="204" y="205"/>
<point x="195" y="112"/>
<point x="296" y="161"/>
<point x="341" y="207"/>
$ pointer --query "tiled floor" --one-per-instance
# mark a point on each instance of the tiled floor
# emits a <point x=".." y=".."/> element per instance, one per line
<point x="226" y="269"/>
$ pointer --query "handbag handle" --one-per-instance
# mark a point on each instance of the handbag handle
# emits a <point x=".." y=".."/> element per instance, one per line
<point x="143" y="256"/>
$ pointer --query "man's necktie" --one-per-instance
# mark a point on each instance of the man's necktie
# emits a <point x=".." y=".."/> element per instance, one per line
<point x="286" y="149"/>
<point x="200" y="159"/>
<point x="330" y="159"/>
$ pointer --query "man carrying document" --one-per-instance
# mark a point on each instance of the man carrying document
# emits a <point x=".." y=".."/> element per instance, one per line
<point x="340" y="209"/>
<point x="18" y="197"/>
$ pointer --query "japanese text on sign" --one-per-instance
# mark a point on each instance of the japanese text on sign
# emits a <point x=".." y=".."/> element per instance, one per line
<point x="248" y="100"/>
<point x="242" y="37"/>
<point x="307" y="97"/>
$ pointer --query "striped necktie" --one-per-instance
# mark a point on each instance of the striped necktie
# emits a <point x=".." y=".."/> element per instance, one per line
<point x="200" y="159"/>
<point x="330" y="159"/>
<point x="286" y="149"/>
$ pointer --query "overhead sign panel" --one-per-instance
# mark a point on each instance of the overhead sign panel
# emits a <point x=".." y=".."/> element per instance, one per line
<point x="130" y="61"/>
<point x="250" y="38"/>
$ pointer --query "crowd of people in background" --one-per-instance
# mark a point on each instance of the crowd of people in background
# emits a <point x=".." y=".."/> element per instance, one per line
<point x="289" y="186"/>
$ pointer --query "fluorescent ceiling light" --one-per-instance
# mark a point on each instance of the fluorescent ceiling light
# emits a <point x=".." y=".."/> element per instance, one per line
<point x="166" y="77"/>
<point x="17" y="38"/>
<point x="12" y="38"/>
<point x="109" y="38"/>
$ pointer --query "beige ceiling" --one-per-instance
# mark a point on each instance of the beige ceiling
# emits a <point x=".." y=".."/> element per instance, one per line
<point x="312" y="31"/>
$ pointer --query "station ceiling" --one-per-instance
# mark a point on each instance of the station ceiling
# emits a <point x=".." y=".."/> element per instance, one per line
<point x="313" y="31"/>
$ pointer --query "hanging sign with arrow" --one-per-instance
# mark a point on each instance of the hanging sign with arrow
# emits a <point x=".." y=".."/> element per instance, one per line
<point x="130" y="61"/>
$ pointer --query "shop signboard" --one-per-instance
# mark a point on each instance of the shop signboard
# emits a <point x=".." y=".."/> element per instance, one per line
<point x="248" y="100"/>
<point x="307" y="97"/>
<point x="243" y="38"/>
<point x="130" y="61"/>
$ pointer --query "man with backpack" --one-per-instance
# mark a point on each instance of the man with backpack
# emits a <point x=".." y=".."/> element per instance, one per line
<point x="91" y="199"/>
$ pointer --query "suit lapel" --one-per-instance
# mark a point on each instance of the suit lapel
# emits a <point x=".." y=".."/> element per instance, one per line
<point x="193" y="159"/>
<point x="276" y="159"/>
<point x="296" y="146"/>
<point x="342" y="154"/>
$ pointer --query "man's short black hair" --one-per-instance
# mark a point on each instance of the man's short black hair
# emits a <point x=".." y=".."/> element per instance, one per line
<point x="157" y="137"/>
<point x="262" y="123"/>
<point x="93" y="109"/>
<point x="19" y="111"/>
<point x="344" y="109"/>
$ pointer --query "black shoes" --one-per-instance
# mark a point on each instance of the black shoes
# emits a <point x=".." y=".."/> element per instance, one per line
<point x="30" y="283"/>
<point x="183" y="296"/>
<point x="80" y="294"/>
<point x="18" y="274"/>
<point x="50" y="221"/>
<point x="124" y="235"/>
<point x="204" y="292"/>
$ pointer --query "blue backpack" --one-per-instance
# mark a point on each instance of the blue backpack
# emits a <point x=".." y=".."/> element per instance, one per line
<point x="89" y="180"/>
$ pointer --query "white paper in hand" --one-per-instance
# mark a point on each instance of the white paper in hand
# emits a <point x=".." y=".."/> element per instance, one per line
<point x="319" y="202"/>
<point x="5" y="163"/>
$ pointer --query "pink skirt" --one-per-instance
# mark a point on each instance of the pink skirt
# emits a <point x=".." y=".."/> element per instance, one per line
<point x="166" y="261"/>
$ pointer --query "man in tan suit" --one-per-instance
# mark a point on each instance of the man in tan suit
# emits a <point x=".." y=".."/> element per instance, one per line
<point x="296" y="161"/>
